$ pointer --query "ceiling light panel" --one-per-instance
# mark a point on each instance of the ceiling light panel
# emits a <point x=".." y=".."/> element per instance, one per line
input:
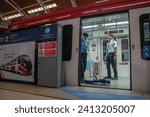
<point x="11" y="17"/>
<point x="41" y="8"/>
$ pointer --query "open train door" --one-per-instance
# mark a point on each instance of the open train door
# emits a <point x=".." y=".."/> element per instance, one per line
<point x="70" y="47"/>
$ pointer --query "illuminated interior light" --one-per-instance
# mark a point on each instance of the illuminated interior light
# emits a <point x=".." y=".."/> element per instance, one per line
<point x="118" y="23"/>
<point x="54" y="5"/>
<point x="29" y="12"/>
<point x="18" y="15"/>
<point x="85" y="27"/>
<point x="125" y="22"/>
<point x="110" y="24"/>
<point x="41" y="8"/>
<point x="49" y="6"/>
<point x="36" y="10"/>
<point x="94" y="26"/>
<point x="10" y="17"/>
<point x="13" y="16"/>
<point x="5" y="18"/>
<point x="91" y="26"/>
<point x="32" y="11"/>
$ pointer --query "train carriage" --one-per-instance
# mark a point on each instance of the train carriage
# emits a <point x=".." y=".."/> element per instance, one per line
<point x="122" y="18"/>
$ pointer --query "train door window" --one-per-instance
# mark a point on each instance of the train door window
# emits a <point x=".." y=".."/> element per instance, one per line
<point x="124" y="50"/>
<point x="145" y="36"/>
<point x="67" y="42"/>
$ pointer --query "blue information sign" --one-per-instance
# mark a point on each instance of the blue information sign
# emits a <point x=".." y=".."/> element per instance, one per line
<point x="4" y="39"/>
<point x="24" y="35"/>
<point x="146" y="52"/>
<point x="48" y="32"/>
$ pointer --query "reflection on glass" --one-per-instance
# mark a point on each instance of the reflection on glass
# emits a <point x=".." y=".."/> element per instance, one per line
<point x="146" y="32"/>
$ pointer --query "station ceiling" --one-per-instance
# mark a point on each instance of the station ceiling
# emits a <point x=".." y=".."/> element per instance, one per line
<point x="14" y="10"/>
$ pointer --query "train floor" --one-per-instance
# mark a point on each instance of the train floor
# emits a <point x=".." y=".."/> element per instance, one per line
<point x="17" y="91"/>
<point x="121" y="83"/>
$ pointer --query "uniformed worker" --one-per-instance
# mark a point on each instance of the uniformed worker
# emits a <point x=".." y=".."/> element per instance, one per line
<point x="84" y="48"/>
<point x="111" y="54"/>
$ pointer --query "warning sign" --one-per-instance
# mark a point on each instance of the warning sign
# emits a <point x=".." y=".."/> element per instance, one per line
<point x="51" y="45"/>
<point x="47" y="49"/>
<point x="50" y="53"/>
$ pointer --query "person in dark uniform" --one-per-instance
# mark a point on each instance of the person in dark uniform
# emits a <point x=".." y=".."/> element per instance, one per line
<point x="84" y="48"/>
<point x="111" y="55"/>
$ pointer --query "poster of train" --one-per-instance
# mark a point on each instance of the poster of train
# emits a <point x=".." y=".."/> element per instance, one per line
<point x="17" y="61"/>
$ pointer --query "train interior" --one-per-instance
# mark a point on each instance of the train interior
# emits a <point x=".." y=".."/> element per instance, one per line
<point x="98" y="28"/>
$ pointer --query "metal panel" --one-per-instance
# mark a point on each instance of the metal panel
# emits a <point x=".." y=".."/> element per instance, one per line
<point x="47" y="74"/>
<point x="71" y="67"/>
<point x="140" y="68"/>
<point x="50" y="66"/>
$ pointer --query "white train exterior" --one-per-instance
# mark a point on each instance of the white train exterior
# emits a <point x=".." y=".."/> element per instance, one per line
<point x="136" y="69"/>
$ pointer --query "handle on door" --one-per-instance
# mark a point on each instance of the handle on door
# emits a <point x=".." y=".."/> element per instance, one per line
<point x="133" y="46"/>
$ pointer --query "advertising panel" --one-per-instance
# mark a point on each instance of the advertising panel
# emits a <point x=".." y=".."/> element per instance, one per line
<point x="17" y="61"/>
<point x="24" y="35"/>
<point x="48" y="32"/>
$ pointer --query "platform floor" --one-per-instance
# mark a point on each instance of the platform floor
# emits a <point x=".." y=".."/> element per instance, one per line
<point x="17" y="91"/>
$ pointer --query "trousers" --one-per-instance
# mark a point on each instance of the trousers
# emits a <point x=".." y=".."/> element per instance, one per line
<point x="110" y="61"/>
<point x="83" y="64"/>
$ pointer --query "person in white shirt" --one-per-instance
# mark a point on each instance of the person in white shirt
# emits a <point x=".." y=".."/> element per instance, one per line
<point x="111" y="55"/>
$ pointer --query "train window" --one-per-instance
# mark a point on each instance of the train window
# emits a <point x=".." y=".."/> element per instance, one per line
<point x="125" y="50"/>
<point x="67" y="42"/>
<point x="146" y="32"/>
<point x="145" y="36"/>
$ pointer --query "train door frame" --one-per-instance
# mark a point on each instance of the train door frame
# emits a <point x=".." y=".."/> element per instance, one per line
<point x="137" y="74"/>
<point x="129" y="41"/>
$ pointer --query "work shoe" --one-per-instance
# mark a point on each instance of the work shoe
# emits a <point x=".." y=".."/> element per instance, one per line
<point x="115" y="78"/>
